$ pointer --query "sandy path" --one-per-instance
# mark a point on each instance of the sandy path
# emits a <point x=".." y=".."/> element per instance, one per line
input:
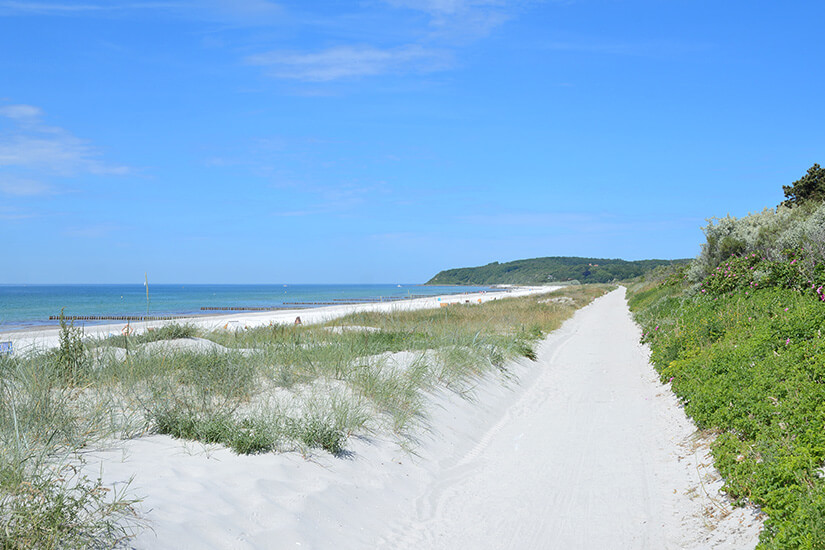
<point x="587" y="451"/>
<point x="591" y="455"/>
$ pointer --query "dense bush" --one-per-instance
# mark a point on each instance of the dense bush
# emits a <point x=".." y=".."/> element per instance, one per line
<point x="745" y="353"/>
<point x="796" y="270"/>
<point x="768" y="234"/>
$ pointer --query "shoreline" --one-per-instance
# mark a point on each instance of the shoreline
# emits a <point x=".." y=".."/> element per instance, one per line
<point x="27" y="340"/>
<point x="583" y="448"/>
<point x="25" y="308"/>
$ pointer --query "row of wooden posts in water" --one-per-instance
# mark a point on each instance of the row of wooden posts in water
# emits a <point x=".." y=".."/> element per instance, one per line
<point x="117" y="317"/>
<point x="334" y="302"/>
<point x="272" y="308"/>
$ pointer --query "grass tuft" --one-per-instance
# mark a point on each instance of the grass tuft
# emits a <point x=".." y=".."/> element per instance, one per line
<point x="272" y="388"/>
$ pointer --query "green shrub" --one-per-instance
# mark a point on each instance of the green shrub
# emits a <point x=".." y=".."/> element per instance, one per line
<point x="749" y="362"/>
<point x="60" y="508"/>
<point x="70" y="357"/>
<point x="317" y="433"/>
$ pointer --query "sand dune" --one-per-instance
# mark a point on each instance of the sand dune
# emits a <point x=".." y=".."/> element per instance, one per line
<point x="587" y="450"/>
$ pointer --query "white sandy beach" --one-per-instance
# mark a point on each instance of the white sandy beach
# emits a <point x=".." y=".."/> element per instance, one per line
<point x="44" y="338"/>
<point x="587" y="450"/>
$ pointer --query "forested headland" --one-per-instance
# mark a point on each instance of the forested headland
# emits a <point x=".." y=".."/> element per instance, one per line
<point x="538" y="271"/>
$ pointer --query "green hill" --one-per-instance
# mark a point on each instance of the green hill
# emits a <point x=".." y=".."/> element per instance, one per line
<point x="547" y="270"/>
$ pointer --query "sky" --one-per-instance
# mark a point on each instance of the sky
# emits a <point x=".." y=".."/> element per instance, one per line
<point x="381" y="141"/>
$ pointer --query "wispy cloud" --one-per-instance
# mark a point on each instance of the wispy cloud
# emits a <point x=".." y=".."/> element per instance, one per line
<point x="251" y="12"/>
<point x="11" y="213"/>
<point x="31" y="151"/>
<point x="350" y="61"/>
<point x="60" y="153"/>
<point x="25" y="113"/>
<point x="22" y="187"/>
<point x="464" y="19"/>
<point x="448" y="8"/>
<point x="68" y="8"/>
<point x="33" y="145"/>
<point x="429" y="45"/>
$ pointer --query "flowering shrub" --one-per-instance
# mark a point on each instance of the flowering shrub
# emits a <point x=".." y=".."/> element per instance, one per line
<point x="768" y="234"/>
<point x="795" y="270"/>
<point x="749" y="362"/>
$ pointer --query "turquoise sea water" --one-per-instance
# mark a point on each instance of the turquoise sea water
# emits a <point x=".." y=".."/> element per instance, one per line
<point x="24" y="306"/>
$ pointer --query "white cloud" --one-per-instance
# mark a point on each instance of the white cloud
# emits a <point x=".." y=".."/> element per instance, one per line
<point x="463" y="19"/>
<point x="60" y="153"/>
<point x="34" y="149"/>
<point x="448" y="6"/>
<point x="252" y="12"/>
<point x="21" y="112"/>
<point x="22" y="187"/>
<point x="56" y="8"/>
<point x="10" y="213"/>
<point x="350" y="61"/>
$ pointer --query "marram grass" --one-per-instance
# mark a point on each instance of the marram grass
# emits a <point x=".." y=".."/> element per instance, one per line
<point x="274" y="388"/>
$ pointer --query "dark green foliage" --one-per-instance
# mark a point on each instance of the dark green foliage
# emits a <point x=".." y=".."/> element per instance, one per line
<point x="548" y="270"/>
<point x="319" y="434"/>
<point x="166" y="332"/>
<point x="747" y="359"/>
<point x="525" y="349"/>
<point x="61" y="509"/>
<point x="252" y="437"/>
<point x="795" y="270"/>
<point x="70" y="356"/>
<point x="810" y="187"/>
<point x="248" y="435"/>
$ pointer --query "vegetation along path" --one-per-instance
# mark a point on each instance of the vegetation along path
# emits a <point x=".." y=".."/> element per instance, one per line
<point x="593" y="453"/>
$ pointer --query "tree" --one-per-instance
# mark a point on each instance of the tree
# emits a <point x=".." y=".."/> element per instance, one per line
<point x="810" y="187"/>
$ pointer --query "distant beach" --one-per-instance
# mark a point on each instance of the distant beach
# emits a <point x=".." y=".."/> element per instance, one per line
<point x="28" y="307"/>
<point x="378" y="298"/>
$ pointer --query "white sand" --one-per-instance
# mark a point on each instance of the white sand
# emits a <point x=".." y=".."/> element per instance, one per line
<point x="587" y="451"/>
<point x="32" y="340"/>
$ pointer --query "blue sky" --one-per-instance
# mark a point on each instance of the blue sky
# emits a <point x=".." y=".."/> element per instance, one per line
<point x="384" y="140"/>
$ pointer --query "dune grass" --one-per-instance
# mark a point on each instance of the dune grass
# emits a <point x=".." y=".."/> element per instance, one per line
<point x="273" y="388"/>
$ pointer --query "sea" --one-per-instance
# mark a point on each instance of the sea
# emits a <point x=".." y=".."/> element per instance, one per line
<point x="31" y="306"/>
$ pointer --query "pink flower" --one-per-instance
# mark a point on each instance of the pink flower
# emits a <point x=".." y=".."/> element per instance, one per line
<point x="788" y="341"/>
<point x="786" y="309"/>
